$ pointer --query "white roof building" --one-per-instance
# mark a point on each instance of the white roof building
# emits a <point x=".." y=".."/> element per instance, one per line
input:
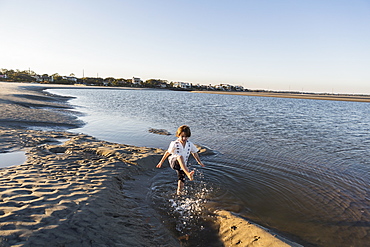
<point x="184" y="85"/>
<point x="136" y="80"/>
<point x="70" y="78"/>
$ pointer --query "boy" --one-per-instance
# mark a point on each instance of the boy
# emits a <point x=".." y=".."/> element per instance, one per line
<point x="180" y="151"/>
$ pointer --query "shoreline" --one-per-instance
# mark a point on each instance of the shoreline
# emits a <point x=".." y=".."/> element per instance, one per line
<point x="70" y="193"/>
<point x="353" y="98"/>
<point x="24" y="107"/>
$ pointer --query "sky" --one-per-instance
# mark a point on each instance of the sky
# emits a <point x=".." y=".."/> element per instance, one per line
<point x="283" y="45"/>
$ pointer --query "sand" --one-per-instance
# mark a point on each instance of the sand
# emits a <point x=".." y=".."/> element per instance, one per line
<point x="339" y="97"/>
<point x="27" y="108"/>
<point x="69" y="192"/>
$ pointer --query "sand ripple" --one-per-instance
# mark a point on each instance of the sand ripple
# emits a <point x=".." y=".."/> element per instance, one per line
<point x="71" y="194"/>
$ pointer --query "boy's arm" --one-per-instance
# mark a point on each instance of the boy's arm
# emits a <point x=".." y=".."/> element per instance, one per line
<point x="196" y="156"/>
<point x="166" y="154"/>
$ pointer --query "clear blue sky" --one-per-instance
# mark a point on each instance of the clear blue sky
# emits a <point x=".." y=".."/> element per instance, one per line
<point x="312" y="45"/>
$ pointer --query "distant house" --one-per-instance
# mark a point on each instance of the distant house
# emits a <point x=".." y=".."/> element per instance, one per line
<point x="136" y="81"/>
<point x="163" y="85"/>
<point x="43" y="78"/>
<point x="70" y="78"/>
<point x="183" y="85"/>
<point x="239" y="88"/>
<point x="219" y="87"/>
<point x="37" y="78"/>
<point x="3" y="76"/>
<point x="224" y="87"/>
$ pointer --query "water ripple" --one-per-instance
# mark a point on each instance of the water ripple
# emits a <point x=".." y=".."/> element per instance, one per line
<point x="299" y="166"/>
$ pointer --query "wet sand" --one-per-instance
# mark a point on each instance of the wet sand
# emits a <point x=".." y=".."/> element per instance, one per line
<point x="71" y="193"/>
<point x="339" y="97"/>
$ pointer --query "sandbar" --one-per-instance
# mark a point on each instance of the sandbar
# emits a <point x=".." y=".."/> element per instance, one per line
<point x="336" y="97"/>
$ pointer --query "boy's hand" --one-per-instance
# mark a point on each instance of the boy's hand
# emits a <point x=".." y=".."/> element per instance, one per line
<point x="159" y="165"/>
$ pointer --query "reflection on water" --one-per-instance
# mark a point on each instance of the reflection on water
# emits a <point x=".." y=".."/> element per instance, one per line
<point x="301" y="167"/>
<point x="12" y="158"/>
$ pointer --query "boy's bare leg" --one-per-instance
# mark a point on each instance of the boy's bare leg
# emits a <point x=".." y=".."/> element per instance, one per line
<point x="185" y="169"/>
<point x="180" y="187"/>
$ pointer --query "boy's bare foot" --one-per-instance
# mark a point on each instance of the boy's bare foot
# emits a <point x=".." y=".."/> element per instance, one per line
<point x="185" y="237"/>
<point x="191" y="175"/>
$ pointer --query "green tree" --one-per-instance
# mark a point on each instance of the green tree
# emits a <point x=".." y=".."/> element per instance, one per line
<point x="154" y="83"/>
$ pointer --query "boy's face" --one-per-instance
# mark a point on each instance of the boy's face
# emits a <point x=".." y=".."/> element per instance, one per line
<point x="183" y="137"/>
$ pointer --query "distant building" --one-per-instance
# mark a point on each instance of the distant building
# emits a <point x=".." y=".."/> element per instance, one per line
<point x="239" y="88"/>
<point x="224" y="87"/>
<point x="70" y="78"/>
<point x="3" y="76"/>
<point x="183" y="85"/>
<point x="163" y="85"/>
<point x="136" y="81"/>
<point x="43" y="78"/>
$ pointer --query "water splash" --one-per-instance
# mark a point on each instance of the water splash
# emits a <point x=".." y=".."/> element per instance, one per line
<point x="187" y="212"/>
<point x="188" y="209"/>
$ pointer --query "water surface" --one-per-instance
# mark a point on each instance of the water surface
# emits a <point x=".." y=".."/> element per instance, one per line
<point x="12" y="158"/>
<point x="297" y="166"/>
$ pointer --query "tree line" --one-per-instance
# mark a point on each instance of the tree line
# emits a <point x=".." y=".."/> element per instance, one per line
<point x="30" y="76"/>
<point x="17" y="75"/>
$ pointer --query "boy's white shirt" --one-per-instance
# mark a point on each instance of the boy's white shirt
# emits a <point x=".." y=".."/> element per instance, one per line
<point x="176" y="149"/>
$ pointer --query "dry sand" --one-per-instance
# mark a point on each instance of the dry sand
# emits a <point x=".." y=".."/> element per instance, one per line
<point x="355" y="98"/>
<point x="70" y="193"/>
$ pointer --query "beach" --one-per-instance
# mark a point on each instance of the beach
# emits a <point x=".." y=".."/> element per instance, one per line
<point x="69" y="192"/>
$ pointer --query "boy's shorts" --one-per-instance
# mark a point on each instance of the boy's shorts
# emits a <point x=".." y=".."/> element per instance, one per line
<point x="180" y="173"/>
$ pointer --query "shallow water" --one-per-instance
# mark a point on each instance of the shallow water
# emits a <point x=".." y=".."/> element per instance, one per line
<point x="301" y="167"/>
<point x="12" y="158"/>
<point x="184" y="217"/>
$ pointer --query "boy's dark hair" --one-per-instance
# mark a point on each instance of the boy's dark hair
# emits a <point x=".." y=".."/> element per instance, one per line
<point x="185" y="129"/>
